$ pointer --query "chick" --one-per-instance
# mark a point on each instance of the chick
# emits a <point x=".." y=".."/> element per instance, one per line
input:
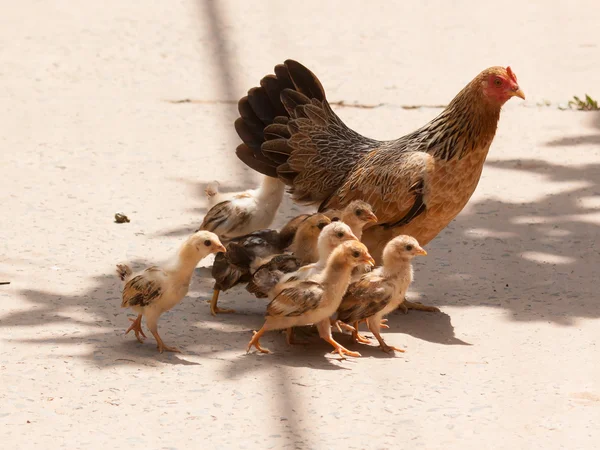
<point x="381" y="291"/>
<point x="308" y="302"/>
<point x="240" y="213"/>
<point x="288" y="231"/>
<point x="357" y="215"/>
<point x="285" y="267"/>
<point x="233" y="267"/>
<point x="158" y="289"/>
<point x="304" y="245"/>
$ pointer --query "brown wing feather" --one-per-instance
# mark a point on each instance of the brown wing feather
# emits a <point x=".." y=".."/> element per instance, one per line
<point x="142" y="290"/>
<point x="364" y="298"/>
<point x="296" y="299"/>
<point x="393" y="184"/>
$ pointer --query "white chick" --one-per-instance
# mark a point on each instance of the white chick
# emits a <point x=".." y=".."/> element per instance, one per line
<point x="158" y="289"/>
<point x="237" y="214"/>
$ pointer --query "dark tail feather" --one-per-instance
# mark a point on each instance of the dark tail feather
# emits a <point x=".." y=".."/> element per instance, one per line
<point x="265" y="113"/>
<point x="266" y="167"/>
<point x="304" y="80"/>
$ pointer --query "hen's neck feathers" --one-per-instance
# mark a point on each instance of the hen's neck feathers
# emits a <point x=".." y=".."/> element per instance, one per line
<point x="467" y="124"/>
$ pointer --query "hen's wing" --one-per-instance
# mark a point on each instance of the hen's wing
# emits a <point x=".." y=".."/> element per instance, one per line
<point x="393" y="183"/>
<point x="364" y="298"/>
<point x="143" y="289"/>
<point x="296" y="299"/>
<point x="290" y="131"/>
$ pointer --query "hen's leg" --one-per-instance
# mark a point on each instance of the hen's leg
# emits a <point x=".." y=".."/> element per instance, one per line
<point x="324" y="328"/>
<point x="255" y="341"/>
<point x="406" y="305"/>
<point x="152" y="322"/>
<point x="358" y="337"/>
<point x="136" y="326"/>
<point x="374" y="326"/>
<point x="214" y="309"/>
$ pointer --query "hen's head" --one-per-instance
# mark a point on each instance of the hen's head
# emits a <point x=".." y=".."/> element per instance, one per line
<point x="499" y="85"/>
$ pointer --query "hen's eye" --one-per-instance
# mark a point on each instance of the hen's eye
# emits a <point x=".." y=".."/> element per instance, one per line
<point x="498" y="82"/>
<point x="356" y="254"/>
<point x="207" y="243"/>
<point x="340" y="235"/>
<point x="409" y="247"/>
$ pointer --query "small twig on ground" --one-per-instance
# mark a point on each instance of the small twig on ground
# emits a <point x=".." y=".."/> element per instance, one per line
<point x="4" y="282"/>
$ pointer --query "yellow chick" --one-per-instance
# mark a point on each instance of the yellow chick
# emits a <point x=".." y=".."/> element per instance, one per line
<point x="381" y="291"/>
<point x="308" y="302"/>
<point x="158" y="289"/>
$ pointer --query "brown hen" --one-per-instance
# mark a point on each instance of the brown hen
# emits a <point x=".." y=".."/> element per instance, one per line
<point x="416" y="184"/>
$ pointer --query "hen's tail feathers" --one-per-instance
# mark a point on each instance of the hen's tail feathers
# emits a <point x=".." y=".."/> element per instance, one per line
<point x="124" y="271"/>
<point x="264" y="114"/>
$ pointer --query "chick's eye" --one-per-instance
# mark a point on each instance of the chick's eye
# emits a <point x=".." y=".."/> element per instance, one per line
<point x="321" y="226"/>
<point x="409" y="247"/>
<point x="356" y="253"/>
<point x="207" y="243"/>
<point x="498" y="82"/>
<point x="340" y="234"/>
<point x="359" y="212"/>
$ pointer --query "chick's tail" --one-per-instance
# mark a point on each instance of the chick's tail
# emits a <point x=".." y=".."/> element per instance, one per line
<point x="212" y="193"/>
<point x="124" y="271"/>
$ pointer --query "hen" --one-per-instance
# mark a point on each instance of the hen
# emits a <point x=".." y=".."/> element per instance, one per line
<point x="416" y="184"/>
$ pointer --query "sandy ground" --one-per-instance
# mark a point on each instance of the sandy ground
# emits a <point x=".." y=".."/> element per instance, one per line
<point x="88" y="130"/>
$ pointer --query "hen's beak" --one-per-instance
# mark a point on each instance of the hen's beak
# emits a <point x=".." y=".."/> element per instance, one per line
<point x="421" y="251"/>
<point x="371" y="218"/>
<point x="518" y="93"/>
<point x="369" y="260"/>
<point x="221" y="248"/>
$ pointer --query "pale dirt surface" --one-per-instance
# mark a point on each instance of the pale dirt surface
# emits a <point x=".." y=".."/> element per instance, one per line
<point x="512" y="361"/>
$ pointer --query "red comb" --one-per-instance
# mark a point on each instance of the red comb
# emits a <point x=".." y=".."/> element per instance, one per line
<point x="511" y="74"/>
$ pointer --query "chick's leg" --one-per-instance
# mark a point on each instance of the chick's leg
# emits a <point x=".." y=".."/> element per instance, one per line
<point x="338" y="324"/>
<point x="255" y="341"/>
<point x="152" y="322"/>
<point x="136" y="326"/>
<point x="324" y="328"/>
<point x="359" y="338"/>
<point x="214" y="309"/>
<point x="375" y="325"/>
<point x="289" y="338"/>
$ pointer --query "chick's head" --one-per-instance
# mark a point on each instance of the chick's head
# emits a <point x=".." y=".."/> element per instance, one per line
<point x="359" y="212"/>
<point x="352" y="253"/>
<point x="402" y="248"/>
<point x="313" y="225"/>
<point x="205" y="243"/>
<point x="333" y="235"/>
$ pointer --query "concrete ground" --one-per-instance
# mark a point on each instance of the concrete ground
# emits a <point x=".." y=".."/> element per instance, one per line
<point x="89" y="129"/>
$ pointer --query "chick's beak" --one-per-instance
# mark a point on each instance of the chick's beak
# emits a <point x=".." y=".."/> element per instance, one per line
<point x="221" y="248"/>
<point x="369" y="260"/>
<point x="421" y="251"/>
<point x="518" y="93"/>
<point x="371" y="218"/>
